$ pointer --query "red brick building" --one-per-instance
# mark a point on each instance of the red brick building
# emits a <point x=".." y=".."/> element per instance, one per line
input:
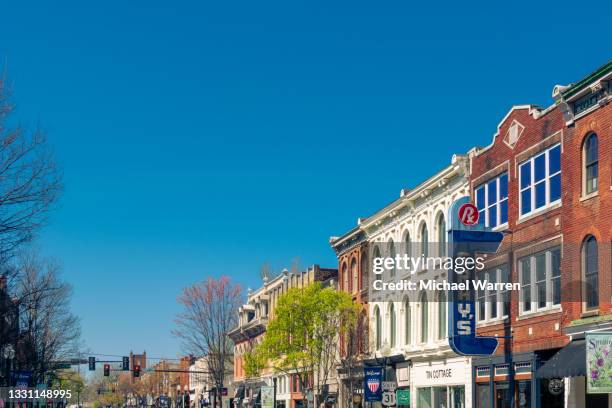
<point x="516" y="185"/>
<point x="545" y="181"/>
<point x="586" y="220"/>
<point x="352" y="252"/>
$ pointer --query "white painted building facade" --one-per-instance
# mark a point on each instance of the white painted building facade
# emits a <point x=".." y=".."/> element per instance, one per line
<point x="410" y="327"/>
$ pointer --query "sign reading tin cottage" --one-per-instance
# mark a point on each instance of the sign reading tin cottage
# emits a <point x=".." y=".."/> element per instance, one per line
<point x="434" y="374"/>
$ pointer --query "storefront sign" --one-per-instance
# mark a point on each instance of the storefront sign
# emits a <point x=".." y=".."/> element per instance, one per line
<point x="403" y="397"/>
<point x="599" y="363"/>
<point x="372" y="384"/>
<point x="440" y="372"/>
<point x="267" y="397"/>
<point x="465" y="240"/>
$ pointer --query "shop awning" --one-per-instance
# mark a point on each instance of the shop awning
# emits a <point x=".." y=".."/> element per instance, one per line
<point x="570" y="361"/>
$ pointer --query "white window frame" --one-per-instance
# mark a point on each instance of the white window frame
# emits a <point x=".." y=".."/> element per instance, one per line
<point x="532" y="185"/>
<point x="533" y="287"/>
<point x="497" y="204"/>
<point x="500" y="303"/>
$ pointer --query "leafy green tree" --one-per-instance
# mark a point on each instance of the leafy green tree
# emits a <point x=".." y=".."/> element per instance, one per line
<point x="303" y="337"/>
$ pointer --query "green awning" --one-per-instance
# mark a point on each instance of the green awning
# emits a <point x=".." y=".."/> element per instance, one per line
<point x="570" y="361"/>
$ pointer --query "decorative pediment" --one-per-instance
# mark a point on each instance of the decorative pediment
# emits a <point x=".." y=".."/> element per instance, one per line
<point x="513" y="133"/>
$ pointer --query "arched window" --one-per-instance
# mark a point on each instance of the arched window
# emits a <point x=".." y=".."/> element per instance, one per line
<point x="345" y="280"/>
<point x="391" y="252"/>
<point x="354" y="273"/>
<point x="442" y="323"/>
<point x="365" y="267"/>
<point x="441" y="227"/>
<point x="424" y="318"/>
<point x="591" y="163"/>
<point x="362" y="326"/>
<point x="407" y="322"/>
<point x="378" y="325"/>
<point x="407" y="244"/>
<point x="392" y="325"/>
<point x="424" y="240"/>
<point x="590" y="267"/>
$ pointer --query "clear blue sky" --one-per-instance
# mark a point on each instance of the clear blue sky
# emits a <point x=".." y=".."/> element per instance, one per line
<point x="200" y="138"/>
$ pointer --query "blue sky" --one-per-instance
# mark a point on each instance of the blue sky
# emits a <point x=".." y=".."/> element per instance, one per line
<point x="205" y="138"/>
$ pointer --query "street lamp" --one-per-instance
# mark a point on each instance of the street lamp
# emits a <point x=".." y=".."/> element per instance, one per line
<point x="8" y="352"/>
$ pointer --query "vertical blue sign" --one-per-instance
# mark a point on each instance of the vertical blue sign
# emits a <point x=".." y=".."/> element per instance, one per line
<point x="372" y="380"/>
<point x="467" y="241"/>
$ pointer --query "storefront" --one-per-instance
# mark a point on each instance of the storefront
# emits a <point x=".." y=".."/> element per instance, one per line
<point x="579" y="370"/>
<point x="510" y="381"/>
<point x="441" y="384"/>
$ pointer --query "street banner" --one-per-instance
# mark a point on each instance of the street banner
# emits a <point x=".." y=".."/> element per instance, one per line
<point x="372" y="384"/>
<point x="599" y="362"/>
<point x="403" y="397"/>
<point x="267" y="397"/>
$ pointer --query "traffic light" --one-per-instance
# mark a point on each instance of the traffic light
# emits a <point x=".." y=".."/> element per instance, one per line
<point x="126" y="364"/>
<point x="136" y="372"/>
<point x="106" y="370"/>
<point x="92" y="364"/>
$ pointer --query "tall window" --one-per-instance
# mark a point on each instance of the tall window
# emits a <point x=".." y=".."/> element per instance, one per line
<point x="375" y="255"/>
<point x="407" y="322"/>
<point x="540" y="279"/>
<point x="392" y="325"/>
<point x="492" y="201"/>
<point x="354" y="273"/>
<point x="591" y="163"/>
<point x="540" y="181"/>
<point x="424" y="240"/>
<point x="391" y="252"/>
<point x="407" y="244"/>
<point x="424" y="319"/>
<point x="590" y="266"/>
<point x="345" y="278"/>
<point x="441" y="226"/>
<point x="364" y="269"/>
<point x="378" y="323"/>
<point x="442" y="315"/>
<point x="493" y="304"/>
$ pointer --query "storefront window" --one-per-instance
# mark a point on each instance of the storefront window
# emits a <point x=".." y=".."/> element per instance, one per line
<point x="502" y="395"/>
<point x="424" y="398"/>
<point x="441" y="397"/>
<point x="483" y="395"/>
<point x="458" y="396"/>
<point x="523" y="394"/>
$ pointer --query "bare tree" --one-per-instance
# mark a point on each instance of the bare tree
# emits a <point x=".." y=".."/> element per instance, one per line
<point x="210" y="312"/>
<point x="48" y="330"/>
<point x="29" y="181"/>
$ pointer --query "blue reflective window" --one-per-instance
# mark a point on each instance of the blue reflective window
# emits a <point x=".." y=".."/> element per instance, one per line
<point x="503" y="186"/>
<point x="539" y="165"/>
<point x="503" y="212"/>
<point x="493" y="216"/>
<point x="480" y="198"/>
<point x="492" y="192"/>
<point x="525" y="175"/>
<point x="555" y="188"/>
<point x="540" y="195"/>
<point x="526" y="201"/>
<point x="554" y="160"/>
